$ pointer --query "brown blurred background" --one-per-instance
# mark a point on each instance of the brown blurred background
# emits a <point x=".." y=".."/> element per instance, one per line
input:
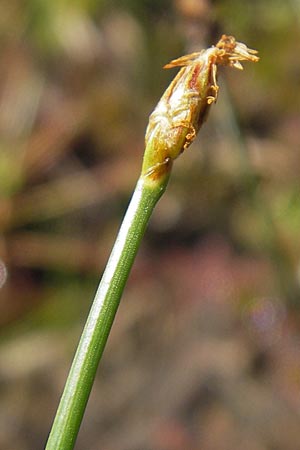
<point x="205" y="350"/>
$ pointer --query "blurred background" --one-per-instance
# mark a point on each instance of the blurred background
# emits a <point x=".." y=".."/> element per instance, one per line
<point x="205" y="350"/>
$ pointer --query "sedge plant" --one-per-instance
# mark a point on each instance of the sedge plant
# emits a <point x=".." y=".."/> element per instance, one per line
<point x="172" y="127"/>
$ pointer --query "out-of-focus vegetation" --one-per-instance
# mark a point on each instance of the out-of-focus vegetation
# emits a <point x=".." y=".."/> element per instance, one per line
<point x="205" y="349"/>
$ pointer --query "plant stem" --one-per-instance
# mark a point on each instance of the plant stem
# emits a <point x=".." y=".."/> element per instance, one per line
<point x="91" y="346"/>
<point x="172" y="127"/>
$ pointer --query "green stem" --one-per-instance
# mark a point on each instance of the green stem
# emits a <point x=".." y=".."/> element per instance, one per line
<point x="172" y="127"/>
<point x="91" y="346"/>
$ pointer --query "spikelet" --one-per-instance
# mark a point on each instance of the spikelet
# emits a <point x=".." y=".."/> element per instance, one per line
<point x="178" y="116"/>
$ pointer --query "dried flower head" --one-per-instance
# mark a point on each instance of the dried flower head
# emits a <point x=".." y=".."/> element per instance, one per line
<point x="182" y="109"/>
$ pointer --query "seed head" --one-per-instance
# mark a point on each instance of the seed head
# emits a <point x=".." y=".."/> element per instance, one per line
<point x="178" y="116"/>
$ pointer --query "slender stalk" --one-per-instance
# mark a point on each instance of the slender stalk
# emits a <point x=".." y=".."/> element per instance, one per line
<point x="173" y="125"/>
<point x="100" y="319"/>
